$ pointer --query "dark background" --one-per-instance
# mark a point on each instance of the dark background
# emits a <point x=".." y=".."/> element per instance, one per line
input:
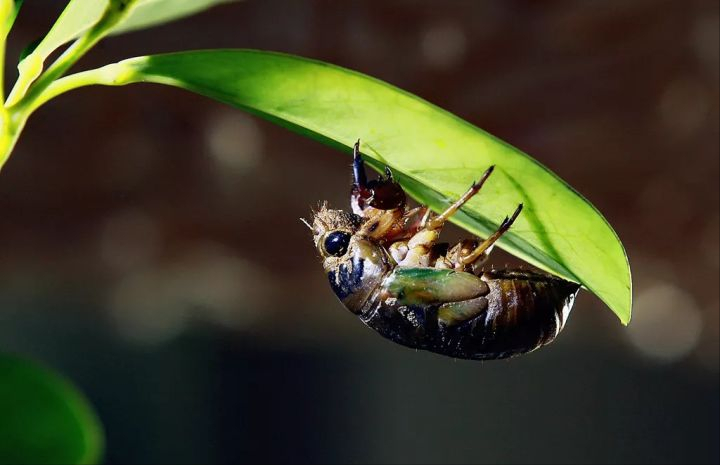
<point x="150" y="247"/>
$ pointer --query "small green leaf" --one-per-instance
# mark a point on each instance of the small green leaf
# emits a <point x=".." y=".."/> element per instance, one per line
<point x="11" y="16"/>
<point x="148" y="13"/>
<point x="43" y="418"/>
<point x="29" y="48"/>
<point x="434" y="154"/>
<point x="79" y="16"/>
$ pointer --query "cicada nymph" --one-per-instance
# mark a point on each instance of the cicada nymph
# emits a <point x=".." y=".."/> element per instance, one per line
<point x="385" y="263"/>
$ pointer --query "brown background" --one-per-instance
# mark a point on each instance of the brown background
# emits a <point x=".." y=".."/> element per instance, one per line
<point x="151" y="250"/>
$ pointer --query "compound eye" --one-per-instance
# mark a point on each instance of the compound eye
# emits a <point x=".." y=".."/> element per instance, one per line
<point x="336" y="243"/>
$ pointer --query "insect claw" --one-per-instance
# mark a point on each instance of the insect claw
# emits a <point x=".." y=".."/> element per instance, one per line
<point x="439" y="220"/>
<point x="485" y="175"/>
<point x="388" y="173"/>
<point x="507" y="222"/>
<point x="359" y="176"/>
<point x="383" y="193"/>
<point x="476" y="185"/>
<point x="517" y="211"/>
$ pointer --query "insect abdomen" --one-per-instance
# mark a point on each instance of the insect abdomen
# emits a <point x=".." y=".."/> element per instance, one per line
<point x="521" y="311"/>
<point x="525" y="311"/>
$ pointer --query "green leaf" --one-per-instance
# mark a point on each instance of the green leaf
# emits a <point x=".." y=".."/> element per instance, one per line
<point x="79" y="16"/>
<point x="29" y="48"/>
<point x="148" y="13"/>
<point x="44" y="419"/>
<point x="434" y="154"/>
<point x="11" y="15"/>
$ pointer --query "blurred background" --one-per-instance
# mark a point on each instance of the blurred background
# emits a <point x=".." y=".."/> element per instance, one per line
<point x="151" y="249"/>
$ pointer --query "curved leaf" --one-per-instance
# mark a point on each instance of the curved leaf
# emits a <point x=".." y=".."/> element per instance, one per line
<point x="43" y="418"/>
<point x="434" y="154"/>
<point x="81" y="15"/>
<point x="77" y="17"/>
<point x="10" y="15"/>
<point x="148" y="13"/>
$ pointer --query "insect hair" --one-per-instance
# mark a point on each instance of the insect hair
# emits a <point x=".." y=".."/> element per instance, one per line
<point x="326" y="219"/>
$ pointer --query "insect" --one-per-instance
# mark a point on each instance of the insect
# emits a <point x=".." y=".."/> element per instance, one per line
<point x="385" y="264"/>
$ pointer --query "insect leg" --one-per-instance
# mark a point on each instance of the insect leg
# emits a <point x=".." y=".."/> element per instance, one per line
<point x="359" y="175"/>
<point x="410" y="223"/>
<point x="419" y="248"/>
<point x="359" y="193"/>
<point x="482" y="251"/>
<point x="421" y="243"/>
<point x="461" y="249"/>
<point x="381" y="194"/>
<point x="438" y="221"/>
<point x="454" y="313"/>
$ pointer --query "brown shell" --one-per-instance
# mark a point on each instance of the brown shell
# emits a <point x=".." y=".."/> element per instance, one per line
<point x="522" y="311"/>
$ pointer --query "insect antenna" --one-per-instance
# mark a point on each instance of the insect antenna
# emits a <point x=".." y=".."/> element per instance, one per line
<point x="305" y="222"/>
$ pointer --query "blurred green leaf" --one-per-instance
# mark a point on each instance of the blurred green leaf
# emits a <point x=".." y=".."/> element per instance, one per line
<point x="148" y="13"/>
<point x="43" y="418"/>
<point x="12" y="16"/>
<point x="434" y="154"/>
<point x="79" y="16"/>
<point x="29" y="48"/>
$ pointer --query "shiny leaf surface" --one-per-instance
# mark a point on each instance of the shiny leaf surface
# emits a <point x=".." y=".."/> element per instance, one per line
<point x="434" y="154"/>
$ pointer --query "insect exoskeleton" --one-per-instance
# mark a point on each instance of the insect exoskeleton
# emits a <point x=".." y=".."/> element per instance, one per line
<point x="385" y="264"/>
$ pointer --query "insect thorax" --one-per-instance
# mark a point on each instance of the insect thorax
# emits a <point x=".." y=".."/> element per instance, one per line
<point x="355" y="277"/>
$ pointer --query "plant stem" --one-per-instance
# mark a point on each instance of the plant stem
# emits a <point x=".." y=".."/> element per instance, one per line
<point x="2" y="70"/>
<point x="116" y="10"/>
<point x="10" y="128"/>
<point x="108" y="75"/>
<point x="13" y="119"/>
<point x="57" y="69"/>
<point x="6" y="14"/>
<point x="15" y="114"/>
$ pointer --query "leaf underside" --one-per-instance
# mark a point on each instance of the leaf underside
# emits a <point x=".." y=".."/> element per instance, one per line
<point x="434" y="154"/>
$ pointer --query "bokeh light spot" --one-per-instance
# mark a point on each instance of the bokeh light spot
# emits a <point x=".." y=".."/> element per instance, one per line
<point x="684" y="106"/>
<point x="129" y="239"/>
<point x="208" y="283"/>
<point x="443" y="45"/>
<point x="666" y="323"/>
<point x="234" y="141"/>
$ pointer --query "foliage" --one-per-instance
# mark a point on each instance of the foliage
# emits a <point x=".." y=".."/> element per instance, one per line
<point x="44" y="418"/>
